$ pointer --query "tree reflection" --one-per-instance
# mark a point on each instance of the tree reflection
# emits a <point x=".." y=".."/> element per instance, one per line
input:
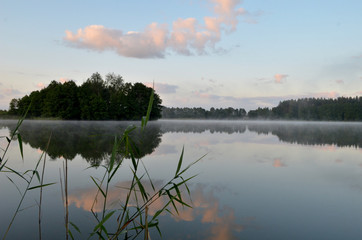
<point x="93" y="141"/>
<point x="339" y="134"/>
<point x="306" y="133"/>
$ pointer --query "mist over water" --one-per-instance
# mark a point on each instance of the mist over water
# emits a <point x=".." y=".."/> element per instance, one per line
<point x="259" y="179"/>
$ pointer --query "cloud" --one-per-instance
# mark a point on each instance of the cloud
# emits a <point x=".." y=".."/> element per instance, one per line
<point x="339" y="81"/>
<point x="10" y="92"/>
<point x="165" y="149"/>
<point x="206" y="209"/>
<point x="186" y="36"/>
<point x="40" y="85"/>
<point x="331" y="94"/>
<point x="6" y="94"/>
<point x="208" y="100"/>
<point x="63" y="80"/>
<point x="163" y="87"/>
<point x="280" y="78"/>
<point x="278" y="163"/>
<point x="357" y="56"/>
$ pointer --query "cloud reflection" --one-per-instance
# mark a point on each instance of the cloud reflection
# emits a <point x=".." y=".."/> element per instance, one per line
<point x="219" y="221"/>
<point x="278" y="163"/>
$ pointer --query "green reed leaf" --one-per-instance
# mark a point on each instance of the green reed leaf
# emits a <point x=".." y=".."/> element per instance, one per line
<point x="99" y="188"/>
<point x="100" y="224"/>
<point x="41" y="186"/>
<point x="20" y="145"/>
<point x="180" y="162"/>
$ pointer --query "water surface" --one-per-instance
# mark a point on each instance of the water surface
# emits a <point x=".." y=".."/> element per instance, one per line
<point x="258" y="180"/>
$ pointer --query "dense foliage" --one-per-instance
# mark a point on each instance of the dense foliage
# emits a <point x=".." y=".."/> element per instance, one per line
<point x="340" y="109"/>
<point x="95" y="99"/>
<point x="317" y="109"/>
<point x="200" y="113"/>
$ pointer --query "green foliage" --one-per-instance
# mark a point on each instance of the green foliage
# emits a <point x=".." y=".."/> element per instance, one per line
<point x="320" y="109"/>
<point x="95" y="99"/>
<point x="200" y="113"/>
<point x="132" y="218"/>
<point x="340" y="109"/>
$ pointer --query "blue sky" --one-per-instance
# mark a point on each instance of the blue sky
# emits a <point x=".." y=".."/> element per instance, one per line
<point x="200" y="53"/>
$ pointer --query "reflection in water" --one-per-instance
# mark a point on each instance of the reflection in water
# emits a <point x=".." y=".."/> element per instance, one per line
<point x="278" y="163"/>
<point x="94" y="140"/>
<point x="220" y="222"/>
<point x="307" y="133"/>
<point x="311" y="133"/>
<point x="315" y="187"/>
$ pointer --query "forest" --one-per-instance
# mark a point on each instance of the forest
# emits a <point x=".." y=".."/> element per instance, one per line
<point x="96" y="99"/>
<point x="314" y="109"/>
<point x="112" y="98"/>
<point x="201" y="113"/>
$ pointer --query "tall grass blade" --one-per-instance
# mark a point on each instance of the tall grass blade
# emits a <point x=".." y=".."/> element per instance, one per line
<point x="14" y="184"/>
<point x="75" y="226"/>
<point x="99" y="188"/>
<point x="23" y="195"/>
<point x="100" y="224"/>
<point x="114" y="171"/>
<point x="17" y="173"/>
<point x="149" y="109"/>
<point x="21" y="145"/>
<point x="113" y="156"/>
<point x="180" y="162"/>
<point x="149" y="177"/>
<point x="41" y="186"/>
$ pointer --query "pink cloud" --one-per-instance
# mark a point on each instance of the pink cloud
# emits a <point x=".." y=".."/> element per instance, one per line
<point x="331" y="94"/>
<point x="340" y="81"/>
<point x="278" y="163"/>
<point x="63" y="80"/>
<point x="40" y="85"/>
<point x="186" y="37"/>
<point x="206" y="209"/>
<point x="280" y="78"/>
<point x="147" y="44"/>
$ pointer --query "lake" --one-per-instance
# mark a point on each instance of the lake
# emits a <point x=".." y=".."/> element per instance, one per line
<point x="258" y="180"/>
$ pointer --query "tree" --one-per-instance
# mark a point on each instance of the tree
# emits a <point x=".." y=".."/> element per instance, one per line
<point x="14" y="106"/>
<point x="137" y="102"/>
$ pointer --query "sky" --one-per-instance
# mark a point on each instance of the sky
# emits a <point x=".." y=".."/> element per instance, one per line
<point x="198" y="53"/>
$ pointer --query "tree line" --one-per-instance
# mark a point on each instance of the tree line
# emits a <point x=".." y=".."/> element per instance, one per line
<point x="201" y="113"/>
<point x="316" y="109"/>
<point x="96" y="99"/>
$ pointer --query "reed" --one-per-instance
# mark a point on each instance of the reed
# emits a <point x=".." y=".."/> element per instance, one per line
<point x="128" y="220"/>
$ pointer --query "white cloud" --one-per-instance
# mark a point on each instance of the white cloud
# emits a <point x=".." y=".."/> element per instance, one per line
<point x="186" y="37"/>
<point x="9" y="92"/>
<point x="6" y="94"/>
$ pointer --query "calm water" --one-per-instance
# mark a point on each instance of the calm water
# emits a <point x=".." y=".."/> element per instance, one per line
<point x="259" y="180"/>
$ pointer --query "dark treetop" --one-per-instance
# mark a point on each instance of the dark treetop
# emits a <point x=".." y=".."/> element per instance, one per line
<point x="95" y="99"/>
